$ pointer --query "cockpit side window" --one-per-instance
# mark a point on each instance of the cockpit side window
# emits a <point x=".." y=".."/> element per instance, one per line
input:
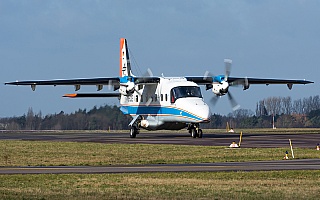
<point x="185" y="92"/>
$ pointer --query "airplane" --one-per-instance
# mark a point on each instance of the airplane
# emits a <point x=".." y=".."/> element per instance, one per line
<point x="162" y="103"/>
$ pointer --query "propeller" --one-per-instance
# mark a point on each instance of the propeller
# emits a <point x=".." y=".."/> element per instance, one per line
<point x="223" y="86"/>
<point x="142" y="81"/>
<point x="145" y="77"/>
<point x="233" y="102"/>
<point x="148" y="73"/>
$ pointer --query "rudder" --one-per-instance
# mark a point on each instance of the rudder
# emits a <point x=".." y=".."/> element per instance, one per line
<point x="125" y="68"/>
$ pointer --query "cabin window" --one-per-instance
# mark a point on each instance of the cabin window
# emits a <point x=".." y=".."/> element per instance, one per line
<point x="161" y="97"/>
<point x="185" y="92"/>
<point x="137" y="98"/>
<point x="166" y="97"/>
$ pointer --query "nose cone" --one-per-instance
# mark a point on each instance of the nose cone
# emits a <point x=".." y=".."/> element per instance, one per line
<point x="204" y="112"/>
<point x="196" y="108"/>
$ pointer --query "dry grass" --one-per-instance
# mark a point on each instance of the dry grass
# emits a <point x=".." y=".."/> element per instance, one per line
<point x="39" y="153"/>
<point x="221" y="185"/>
<point x="214" y="185"/>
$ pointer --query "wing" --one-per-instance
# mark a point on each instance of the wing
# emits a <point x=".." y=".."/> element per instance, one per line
<point x="208" y="80"/>
<point x="201" y="80"/>
<point x="86" y="81"/>
<point x="268" y="81"/>
<point x="99" y="82"/>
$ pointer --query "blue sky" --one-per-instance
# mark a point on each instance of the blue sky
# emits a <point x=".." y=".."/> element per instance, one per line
<point x="64" y="39"/>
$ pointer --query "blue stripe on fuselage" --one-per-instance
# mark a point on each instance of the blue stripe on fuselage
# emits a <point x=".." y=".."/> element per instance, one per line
<point x="158" y="110"/>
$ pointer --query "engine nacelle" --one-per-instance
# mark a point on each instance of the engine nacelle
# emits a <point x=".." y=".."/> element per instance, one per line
<point x="246" y="86"/>
<point x="220" y="89"/>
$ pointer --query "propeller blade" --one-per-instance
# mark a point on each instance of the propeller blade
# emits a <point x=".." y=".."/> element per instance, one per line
<point x="208" y="76"/>
<point x="214" y="100"/>
<point x="150" y="74"/>
<point x="138" y="92"/>
<point x="109" y="84"/>
<point x="227" y="63"/>
<point x="241" y="82"/>
<point x="234" y="104"/>
<point x="149" y="102"/>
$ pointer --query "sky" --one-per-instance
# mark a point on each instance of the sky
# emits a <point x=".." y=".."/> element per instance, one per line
<point x="64" y="39"/>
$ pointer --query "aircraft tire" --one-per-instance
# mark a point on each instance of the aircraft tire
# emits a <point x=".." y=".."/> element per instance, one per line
<point x="200" y="133"/>
<point x="193" y="133"/>
<point x="133" y="132"/>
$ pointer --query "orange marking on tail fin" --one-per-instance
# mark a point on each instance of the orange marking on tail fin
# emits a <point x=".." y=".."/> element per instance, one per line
<point x="122" y="42"/>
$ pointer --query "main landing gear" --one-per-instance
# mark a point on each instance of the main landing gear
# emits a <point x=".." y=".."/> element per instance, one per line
<point x="134" y="126"/>
<point x="133" y="131"/>
<point x="195" y="131"/>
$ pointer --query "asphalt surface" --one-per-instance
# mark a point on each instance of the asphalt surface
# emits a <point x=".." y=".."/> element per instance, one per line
<point x="259" y="140"/>
<point x="212" y="139"/>
<point x="306" y="164"/>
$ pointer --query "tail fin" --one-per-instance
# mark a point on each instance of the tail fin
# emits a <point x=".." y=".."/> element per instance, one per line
<point x="125" y="68"/>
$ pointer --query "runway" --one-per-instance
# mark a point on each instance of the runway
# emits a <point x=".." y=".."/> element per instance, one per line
<point x="261" y="140"/>
<point x="305" y="164"/>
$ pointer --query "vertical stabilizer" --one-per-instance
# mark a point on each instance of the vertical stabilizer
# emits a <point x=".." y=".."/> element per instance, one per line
<point x="125" y="68"/>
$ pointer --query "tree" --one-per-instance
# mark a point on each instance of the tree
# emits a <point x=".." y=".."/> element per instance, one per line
<point x="30" y="120"/>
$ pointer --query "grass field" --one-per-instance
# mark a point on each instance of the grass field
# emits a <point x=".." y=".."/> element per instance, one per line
<point x="220" y="185"/>
<point x="199" y="185"/>
<point x="40" y="153"/>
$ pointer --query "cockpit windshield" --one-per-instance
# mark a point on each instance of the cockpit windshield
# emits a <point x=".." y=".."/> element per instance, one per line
<point x="185" y="91"/>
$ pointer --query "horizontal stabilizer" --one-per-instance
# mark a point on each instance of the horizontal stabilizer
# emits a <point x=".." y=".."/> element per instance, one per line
<point x="92" y="95"/>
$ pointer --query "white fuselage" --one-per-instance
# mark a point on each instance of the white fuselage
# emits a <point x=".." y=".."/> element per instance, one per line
<point x="173" y="103"/>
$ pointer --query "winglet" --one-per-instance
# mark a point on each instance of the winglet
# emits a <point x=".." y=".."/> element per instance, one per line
<point x="125" y="68"/>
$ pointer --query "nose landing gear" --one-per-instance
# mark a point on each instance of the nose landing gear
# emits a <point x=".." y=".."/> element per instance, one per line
<point x="195" y="131"/>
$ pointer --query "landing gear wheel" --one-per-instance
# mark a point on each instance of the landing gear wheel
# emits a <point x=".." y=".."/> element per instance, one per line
<point x="133" y="132"/>
<point x="200" y="133"/>
<point x="193" y="133"/>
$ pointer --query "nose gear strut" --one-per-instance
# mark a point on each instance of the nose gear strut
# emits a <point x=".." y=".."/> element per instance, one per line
<point x="195" y="130"/>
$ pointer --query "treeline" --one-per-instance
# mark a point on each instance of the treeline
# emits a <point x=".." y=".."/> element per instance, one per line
<point x="102" y="118"/>
<point x="280" y="112"/>
<point x="238" y="120"/>
<point x="284" y="112"/>
<point x="285" y="105"/>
